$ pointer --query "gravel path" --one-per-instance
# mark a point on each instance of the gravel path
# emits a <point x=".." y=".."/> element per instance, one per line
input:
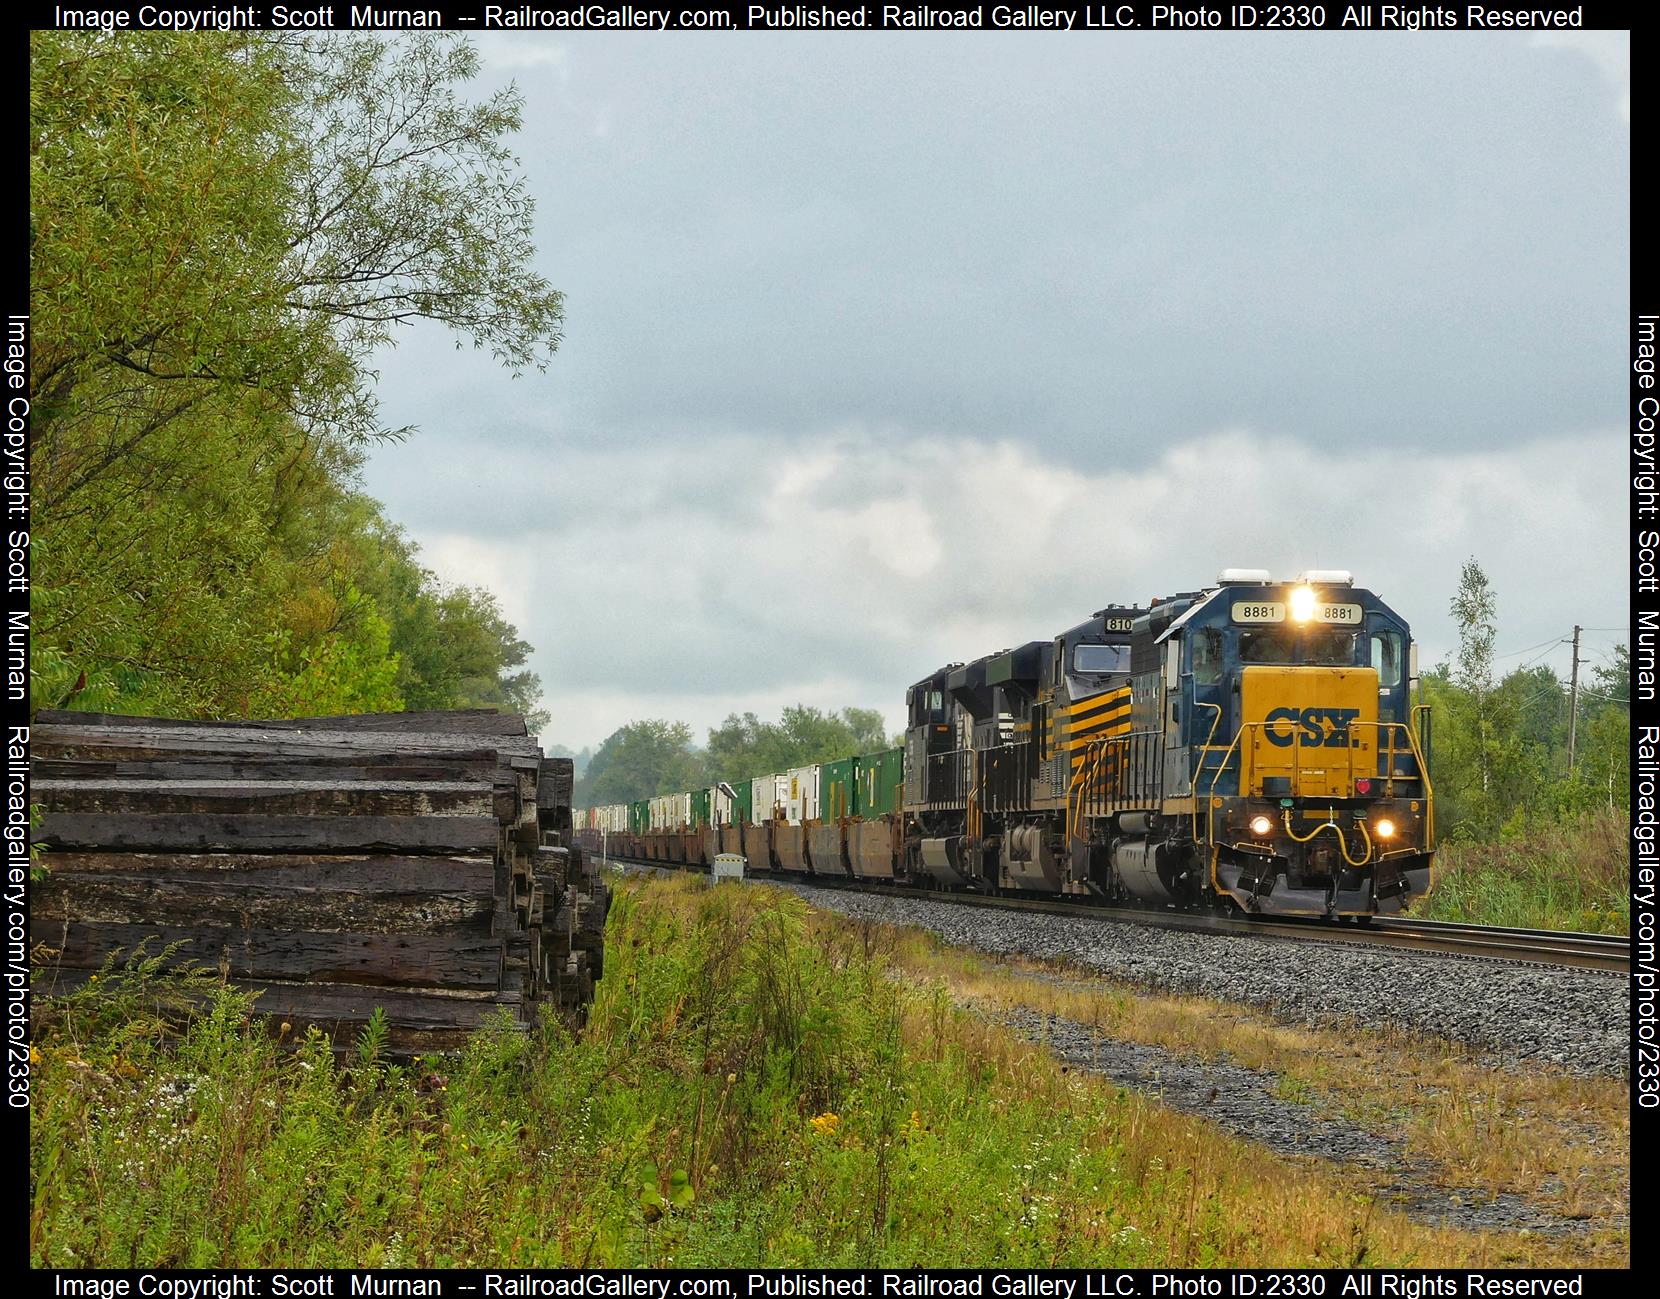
<point x="1517" y="1013"/>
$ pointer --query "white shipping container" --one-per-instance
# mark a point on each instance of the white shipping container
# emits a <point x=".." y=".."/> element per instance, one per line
<point x="768" y="792"/>
<point x="682" y="811"/>
<point x="720" y="806"/>
<point x="801" y="801"/>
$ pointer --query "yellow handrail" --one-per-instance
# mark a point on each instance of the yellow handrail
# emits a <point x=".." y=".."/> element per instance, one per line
<point x="1392" y="727"/>
<point x="1215" y="776"/>
<point x="1215" y="722"/>
<point x="1088" y="758"/>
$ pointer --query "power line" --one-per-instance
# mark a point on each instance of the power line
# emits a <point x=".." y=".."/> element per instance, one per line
<point x="1540" y="694"/>
<point x="1555" y="640"/>
<point x="1524" y="666"/>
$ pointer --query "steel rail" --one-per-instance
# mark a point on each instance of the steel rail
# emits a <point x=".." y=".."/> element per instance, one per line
<point x="1603" y="953"/>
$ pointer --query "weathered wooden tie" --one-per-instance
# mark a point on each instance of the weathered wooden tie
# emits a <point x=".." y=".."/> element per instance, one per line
<point x="416" y="862"/>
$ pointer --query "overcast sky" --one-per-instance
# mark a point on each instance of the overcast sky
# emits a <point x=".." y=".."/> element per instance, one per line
<point x="883" y="351"/>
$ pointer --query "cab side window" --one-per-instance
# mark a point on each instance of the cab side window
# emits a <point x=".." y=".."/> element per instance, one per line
<point x="1386" y="658"/>
<point x="1207" y="656"/>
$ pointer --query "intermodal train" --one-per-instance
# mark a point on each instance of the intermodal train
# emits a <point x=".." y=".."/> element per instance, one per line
<point x="1254" y="745"/>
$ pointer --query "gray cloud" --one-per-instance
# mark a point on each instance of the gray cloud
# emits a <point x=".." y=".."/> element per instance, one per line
<point x="1102" y="244"/>
<point x="859" y="568"/>
<point x="887" y="351"/>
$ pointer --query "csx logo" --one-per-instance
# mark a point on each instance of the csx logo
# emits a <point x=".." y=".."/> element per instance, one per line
<point x="1321" y="727"/>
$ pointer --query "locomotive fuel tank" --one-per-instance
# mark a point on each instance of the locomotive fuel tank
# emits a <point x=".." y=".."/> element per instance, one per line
<point x="1149" y="867"/>
<point x="943" y="861"/>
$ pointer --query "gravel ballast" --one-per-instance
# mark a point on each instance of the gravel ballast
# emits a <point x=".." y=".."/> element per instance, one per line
<point x="1527" y="1014"/>
<point x="1248" y="1103"/>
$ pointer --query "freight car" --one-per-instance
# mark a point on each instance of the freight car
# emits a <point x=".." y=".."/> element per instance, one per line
<point x="1252" y="745"/>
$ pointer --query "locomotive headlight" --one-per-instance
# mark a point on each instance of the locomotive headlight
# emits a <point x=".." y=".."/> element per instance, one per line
<point x="1384" y="828"/>
<point x="1261" y="825"/>
<point x="1302" y="603"/>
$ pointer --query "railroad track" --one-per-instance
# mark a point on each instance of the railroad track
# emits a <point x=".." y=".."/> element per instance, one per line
<point x="1603" y="953"/>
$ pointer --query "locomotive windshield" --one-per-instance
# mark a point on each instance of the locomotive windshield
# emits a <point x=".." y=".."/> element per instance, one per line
<point x="1282" y="645"/>
<point x="1101" y="658"/>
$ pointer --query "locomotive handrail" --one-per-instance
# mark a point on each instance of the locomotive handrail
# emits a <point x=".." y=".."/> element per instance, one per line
<point x="1215" y="722"/>
<point x="1077" y="783"/>
<point x="1296" y="770"/>
<point x="1085" y="792"/>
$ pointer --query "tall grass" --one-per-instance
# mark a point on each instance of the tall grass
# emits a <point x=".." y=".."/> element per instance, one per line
<point x="753" y="1089"/>
<point x="1569" y="875"/>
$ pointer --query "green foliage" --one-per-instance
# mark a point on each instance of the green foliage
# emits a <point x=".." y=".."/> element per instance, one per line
<point x="1500" y="753"/>
<point x="371" y="1040"/>
<point x="454" y="648"/>
<point x="220" y="217"/>
<point x="752" y="1090"/>
<point x="743" y="747"/>
<point x="1522" y="835"/>
<point x="639" y="760"/>
<point x="657" y="757"/>
<point x="1551" y="875"/>
<point x="223" y="227"/>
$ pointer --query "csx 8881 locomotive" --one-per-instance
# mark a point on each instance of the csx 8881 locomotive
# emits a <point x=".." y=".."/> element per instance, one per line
<point x="1253" y="745"/>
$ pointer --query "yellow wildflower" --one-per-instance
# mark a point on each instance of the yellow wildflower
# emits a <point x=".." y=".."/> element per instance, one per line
<point x="826" y="1124"/>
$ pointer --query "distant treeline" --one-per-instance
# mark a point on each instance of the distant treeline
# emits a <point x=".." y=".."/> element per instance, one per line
<point x="658" y="757"/>
<point x="224" y="228"/>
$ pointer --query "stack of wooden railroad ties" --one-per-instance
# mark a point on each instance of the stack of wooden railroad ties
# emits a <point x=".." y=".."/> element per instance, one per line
<point x="419" y="863"/>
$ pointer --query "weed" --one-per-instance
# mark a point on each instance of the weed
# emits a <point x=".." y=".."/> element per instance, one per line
<point x="1558" y="876"/>
<point x="754" y="1088"/>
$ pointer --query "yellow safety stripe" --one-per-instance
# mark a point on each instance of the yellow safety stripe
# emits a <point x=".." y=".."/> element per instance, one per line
<point x="1084" y="740"/>
<point x="1095" y="723"/>
<point x="1111" y="699"/>
<point x="1096" y="714"/>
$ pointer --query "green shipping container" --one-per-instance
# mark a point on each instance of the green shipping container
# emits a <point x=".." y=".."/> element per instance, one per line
<point x="741" y="805"/>
<point x="836" y="790"/>
<point x="880" y="779"/>
<point x="700" y="808"/>
<point x="639" y="816"/>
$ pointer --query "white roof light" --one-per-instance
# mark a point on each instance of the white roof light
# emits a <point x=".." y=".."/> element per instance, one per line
<point x="1328" y="576"/>
<point x="1232" y="576"/>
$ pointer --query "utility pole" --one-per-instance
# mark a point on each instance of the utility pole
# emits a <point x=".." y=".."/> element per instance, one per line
<point x="1573" y="701"/>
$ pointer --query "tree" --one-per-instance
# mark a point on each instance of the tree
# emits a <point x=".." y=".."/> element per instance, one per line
<point x="223" y="226"/>
<point x="1613" y="678"/>
<point x="742" y="747"/>
<point x="639" y="760"/>
<point x="1604" y="768"/>
<point x="280" y="203"/>
<point x="1473" y="607"/>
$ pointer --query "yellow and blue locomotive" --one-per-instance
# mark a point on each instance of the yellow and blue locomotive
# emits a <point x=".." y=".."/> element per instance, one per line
<point x="1255" y="742"/>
